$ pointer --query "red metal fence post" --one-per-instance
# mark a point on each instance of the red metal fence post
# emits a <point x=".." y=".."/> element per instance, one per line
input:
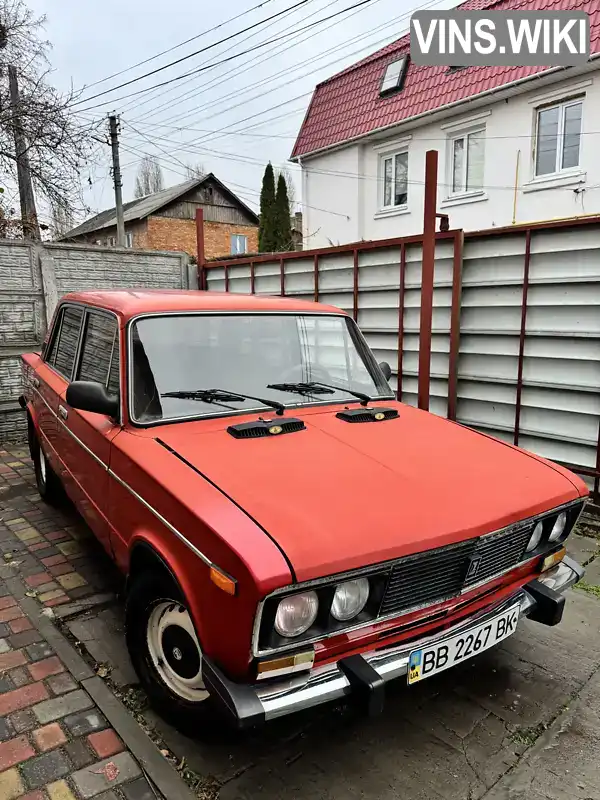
<point x="355" y="286"/>
<point x="200" y="248"/>
<point x="596" y="480"/>
<point x="427" y="272"/>
<point x="522" y="334"/>
<point x="401" y="321"/>
<point x="455" y="325"/>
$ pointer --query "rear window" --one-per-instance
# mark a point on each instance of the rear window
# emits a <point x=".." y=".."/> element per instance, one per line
<point x="64" y="345"/>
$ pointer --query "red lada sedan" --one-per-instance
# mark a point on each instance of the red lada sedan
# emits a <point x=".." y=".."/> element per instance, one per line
<point x="290" y="533"/>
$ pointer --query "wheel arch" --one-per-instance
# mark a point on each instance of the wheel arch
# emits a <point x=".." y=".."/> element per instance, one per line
<point x="144" y="555"/>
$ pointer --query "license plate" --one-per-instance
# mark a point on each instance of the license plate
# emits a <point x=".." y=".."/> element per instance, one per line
<point x="445" y="654"/>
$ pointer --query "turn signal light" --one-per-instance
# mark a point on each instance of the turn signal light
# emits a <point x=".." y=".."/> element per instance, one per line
<point x="223" y="581"/>
<point x="285" y="664"/>
<point x="554" y="559"/>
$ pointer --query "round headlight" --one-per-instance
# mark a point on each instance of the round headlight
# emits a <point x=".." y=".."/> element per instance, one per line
<point x="559" y="527"/>
<point x="296" y="613"/>
<point x="349" y="599"/>
<point x="536" y="537"/>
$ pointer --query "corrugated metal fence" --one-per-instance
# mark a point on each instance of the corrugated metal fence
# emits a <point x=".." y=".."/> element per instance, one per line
<point x="515" y="333"/>
<point x="32" y="279"/>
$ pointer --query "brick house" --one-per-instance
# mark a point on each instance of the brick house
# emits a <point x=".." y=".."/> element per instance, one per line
<point x="166" y="220"/>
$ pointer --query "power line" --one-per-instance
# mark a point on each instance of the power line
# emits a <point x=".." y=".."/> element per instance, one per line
<point x="259" y="162"/>
<point x="295" y="135"/>
<point x="190" y="93"/>
<point x="297" y="97"/>
<point x="203" y="50"/>
<point x="177" y="46"/>
<point x="209" y="130"/>
<point x="194" y="79"/>
<point x="222" y="78"/>
<point x="252" y="191"/>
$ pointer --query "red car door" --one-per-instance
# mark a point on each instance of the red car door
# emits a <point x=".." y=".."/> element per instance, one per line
<point x="86" y="437"/>
<point x="51" y="380"/>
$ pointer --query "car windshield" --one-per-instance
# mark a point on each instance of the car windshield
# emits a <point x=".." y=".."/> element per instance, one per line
<point x="177" y="358"/>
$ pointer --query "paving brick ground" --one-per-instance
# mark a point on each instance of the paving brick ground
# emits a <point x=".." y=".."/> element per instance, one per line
<point x="521" y="722"/>
<point x="54" y="742"/>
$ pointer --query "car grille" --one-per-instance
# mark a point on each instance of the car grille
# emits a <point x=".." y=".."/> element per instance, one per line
<point x="499" y="552"/>
<point x="439" y="575"/>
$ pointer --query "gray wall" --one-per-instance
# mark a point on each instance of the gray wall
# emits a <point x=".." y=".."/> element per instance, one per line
<point x="32" y="279"/>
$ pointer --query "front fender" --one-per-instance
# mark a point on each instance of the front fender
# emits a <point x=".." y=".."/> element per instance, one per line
<point x="222" y="621"/>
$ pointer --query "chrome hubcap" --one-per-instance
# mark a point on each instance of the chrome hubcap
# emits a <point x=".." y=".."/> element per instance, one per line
<point x="175" y="650"/>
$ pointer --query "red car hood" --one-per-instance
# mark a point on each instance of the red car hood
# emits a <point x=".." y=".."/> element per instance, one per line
<point x="337" y="496"/>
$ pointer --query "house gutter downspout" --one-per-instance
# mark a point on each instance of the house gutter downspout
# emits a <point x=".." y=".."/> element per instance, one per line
<point x="514" y="218"/>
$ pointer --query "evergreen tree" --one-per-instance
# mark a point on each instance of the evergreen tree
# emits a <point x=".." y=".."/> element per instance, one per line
<point x="283" y="225"/>
<point x="267" y="242"/>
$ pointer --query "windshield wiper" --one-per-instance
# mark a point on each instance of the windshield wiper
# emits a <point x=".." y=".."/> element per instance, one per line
<point x="222" y="396"/>
<point x="300" y="388"/>
<point x="315" y="387"/>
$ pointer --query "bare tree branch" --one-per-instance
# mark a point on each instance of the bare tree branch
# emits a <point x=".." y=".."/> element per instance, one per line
<point x="196" y="170"/>
<point x="291" y="189"/>
<point x="58" y="147"/>
<point x="149" y="178"/>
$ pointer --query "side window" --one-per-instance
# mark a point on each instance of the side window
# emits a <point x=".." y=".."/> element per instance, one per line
<point x="100" y="352"/>
<point x="64" y="346"/>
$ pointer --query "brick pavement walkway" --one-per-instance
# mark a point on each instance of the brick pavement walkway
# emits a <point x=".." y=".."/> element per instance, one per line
<point x="55" y="744"/>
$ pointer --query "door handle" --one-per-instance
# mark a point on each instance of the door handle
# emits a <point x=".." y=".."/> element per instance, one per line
<point x="35" y="382"/>
<point x="63" y="412"/>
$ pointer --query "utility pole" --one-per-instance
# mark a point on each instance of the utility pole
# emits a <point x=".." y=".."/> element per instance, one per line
<point x="29" y="220"/>
<point x="113" y="122"/>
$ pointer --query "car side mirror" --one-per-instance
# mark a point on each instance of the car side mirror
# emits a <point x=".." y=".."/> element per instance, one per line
<point x="92" y="396"/>
<point x="386" y="369"/>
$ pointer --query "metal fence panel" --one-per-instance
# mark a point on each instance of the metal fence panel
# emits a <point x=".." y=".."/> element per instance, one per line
<point x="528" y="374"/>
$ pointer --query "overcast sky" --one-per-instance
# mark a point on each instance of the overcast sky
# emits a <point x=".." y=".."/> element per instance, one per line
<point x="262" y="95"/>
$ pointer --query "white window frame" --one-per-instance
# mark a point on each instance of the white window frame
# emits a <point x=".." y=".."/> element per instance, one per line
<point x="463" y="191"/>
<point x="394" y="75"/>
<point x="128" y="239"/>
<point x="559" y="169"/>
<point x="237" y="236"/>
<point x="387" y="156"/>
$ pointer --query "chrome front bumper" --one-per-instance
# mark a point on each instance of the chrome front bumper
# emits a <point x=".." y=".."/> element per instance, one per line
<point x="367" y="673"/>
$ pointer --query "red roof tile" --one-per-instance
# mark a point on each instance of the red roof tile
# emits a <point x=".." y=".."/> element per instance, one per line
<point x="348" y="105"/>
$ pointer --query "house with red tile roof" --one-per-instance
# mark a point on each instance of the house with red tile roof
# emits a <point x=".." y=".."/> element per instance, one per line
<point x="515" y="144"/>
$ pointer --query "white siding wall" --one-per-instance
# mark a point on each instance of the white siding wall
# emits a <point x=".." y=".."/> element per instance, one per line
<point x="509" y="127"/>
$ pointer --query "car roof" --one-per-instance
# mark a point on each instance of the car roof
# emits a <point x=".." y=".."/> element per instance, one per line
<point x="128" y="303"/>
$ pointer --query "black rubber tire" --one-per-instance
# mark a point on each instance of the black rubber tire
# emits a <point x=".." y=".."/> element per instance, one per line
<point x="200" y="720"/>
<point x="50" y="488"/>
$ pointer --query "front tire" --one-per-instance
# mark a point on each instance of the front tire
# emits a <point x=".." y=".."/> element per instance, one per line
<point x="167" y="655"/>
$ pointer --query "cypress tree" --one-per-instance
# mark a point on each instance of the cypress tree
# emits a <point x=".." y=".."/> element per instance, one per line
<point x="266" y="229"/>
<point x="283" y="225"/>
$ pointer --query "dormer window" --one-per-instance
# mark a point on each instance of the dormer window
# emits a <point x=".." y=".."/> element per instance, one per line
<point x="393" y="77"/>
